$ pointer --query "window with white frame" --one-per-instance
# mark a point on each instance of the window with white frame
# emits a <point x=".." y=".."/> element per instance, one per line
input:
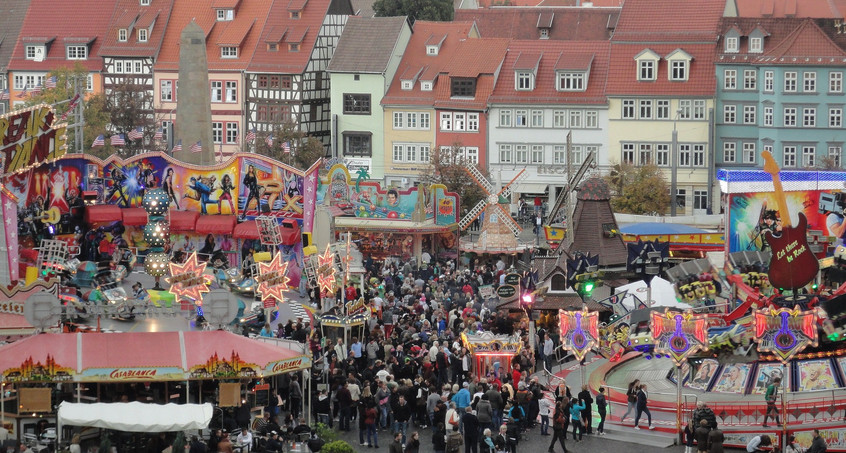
<point x="424" y="121"/>
<point x="750" y="114"/>
<point x="231" y="91"/>
<point x="506" y="153"/>
<point x="700" y="199"/>
<point x="77" y="52"/>
<point x="678" y="70"/>
<point x="662" y="154"/>
<point x="145" y="2"/>
<point x="166" y="89"/>
<point x="575" y="119"/>
<point x="646" y="70"/>
<point x="559" y="154"/>
<point x="809" y="117"/>
<point x="789" y="157"/>
<point x="591" y="149"/>
<point x="699" y="109"/>
<point x="33" y="52"/>
<point x="521" y="154"/>
<point x="591" y="119"/>
<point x="699" y="155"/>
<point x="411" y="120"/>
<point x="122" y="35"/>
<point x="730" y="79"/>
<point x="217" y="132"/>
<point x="225" y="14"/>
<point x="684" y="155"/>
<point x="232" y="133"/>
<point x="505" y="118"/>
<point x="571" y="81"/>
<point x="685" y="109"/>
<point x="18" y="82"/>
<point x="216" y="91"/>
<point x="411" y="152"/>
<point x="644" y="155"/>
<point x="729" y="113"/>
<point x="473" y="122"/>
<point x="521" y="118"/>
<point x="559" y="119"/>
<point x="790" y="81"/>
<point x="398" y="120"/>
<point x="756" y="44"/>
<point x="790" y="117"/>
<point x="228" y="52"/>
<point x="446" y="121"/>
<point x="525" y="81"/>
<point x="750" y="79"/>
<point x="809" y="82"/>
<point x="662" y="109"/>
<point x="577" y="154"/>
<point x="835" y="153"/>
<point x="139" y="67"/>
<point x="645" y="109"/>
<point x="628" y="153"/>
<point x="748" y="152"/>
<point x="471" y="154"/>
<point x="768" y="116"/>
<point x="117" y="68"/>
<point x="89" y="83"/>
<point x="809" y="156"/>
<point x="142" y="35"/>
<point x="729" y="151"/>
<point x="166" y="127"/>
<point x="768" y="148"/>
<point x="425" y="86"/>
<point x="537" y="118"/>
<point x="459" y="121"/>
<point x="835" y="82"/>
<point x="629" y="109"/>
<point x="537" y="154"/>
<point x="769" y="81"/>
<point x="731" y="44"/>
<point x="835" y="117"/>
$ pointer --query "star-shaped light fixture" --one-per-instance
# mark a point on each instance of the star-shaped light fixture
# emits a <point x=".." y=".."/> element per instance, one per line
<point x="326" y="271"/>
<point x="272" y="280"/>
<point x="189" y="279"/>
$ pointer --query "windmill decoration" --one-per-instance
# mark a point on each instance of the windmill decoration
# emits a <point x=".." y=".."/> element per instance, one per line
<point x="785" y="332"/>
<point x="498" y="228"/>
<point x="579" y="331"/>
<point x="679" y="334"/>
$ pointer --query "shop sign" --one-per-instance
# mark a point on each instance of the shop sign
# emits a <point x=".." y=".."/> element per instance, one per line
<point x="506" y="291"/>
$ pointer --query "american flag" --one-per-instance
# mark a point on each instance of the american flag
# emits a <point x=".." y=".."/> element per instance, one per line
<point x="71" y="106"/>
<point x="99" y="141"/>
<point x="51" y="82"/>
<point x="136" y="133"/>
<point x="159" y="134"/>
<point x="22" y="94"/>
<point x="251" y="136"/>
<point x="37" y="89"/>
<point x="4" y="96"/>
<point x="118" y="140"/>
<point x="269" y="140"/>
<point x="177" y="147"/>
<point x="286" y="147"/>
<point x="197" y="147"/>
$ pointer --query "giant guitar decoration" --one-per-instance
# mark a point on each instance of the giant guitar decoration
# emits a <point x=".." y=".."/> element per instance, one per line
<point x="792" y="264"/>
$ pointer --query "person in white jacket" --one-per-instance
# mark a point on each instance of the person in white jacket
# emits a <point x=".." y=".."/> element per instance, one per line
<point x="546" y="407"/>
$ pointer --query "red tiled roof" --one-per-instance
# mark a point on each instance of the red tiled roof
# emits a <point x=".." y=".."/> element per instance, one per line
<point x="582" y="3"/>
<point x="249" y="16"/>
<point x="809" y="40"/>
<point x="484" y="88"/>
<point x="127" y="11"/>
<point x="622" y="73"/>
<point x="819" y="9"/>
<point x="225" y="4"/>
<point x="274" y="34"/>
<point x="527" y="60"/>
<point x="577" y="62"/>
<point x="669" y="21"/>
<point x="545" y="91"/>
<point x="522" y="23"/>
<point x="88" y="19"/>
<point x="415" y="57"/>
<point x="12" y="14"/>
<point x="473" y="58"/>
<point x="308" y="25"/>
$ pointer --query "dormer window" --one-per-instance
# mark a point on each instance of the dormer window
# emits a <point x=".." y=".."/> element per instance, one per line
<point x="679" y="63"/>
<point x="544" y="33"/>
<point x="462" y="87"/>
<point x="122" y="34"/>
<point x="35" y="52"/>
<point x="142" y="35"/>
<point x="77" y="52"/>
<point x="272" y="47"/>
<point x="524" y="81"/>
<point x="426" y="86"/>
<point x="145" y="2"/>
<point x="431" y="50"/>
<point x="295" y="15"/>
<point x="293" y="47"/>
<point x="756" y="44"/>
<point x="433" y="44"/>
<point x="225" y="15"/>
<point x="732" y="45"/>
<point x="572" y="81"/>
<point x="228" y="52"/>
<point x="647" y="65"/>
<point x="407" y="84"/>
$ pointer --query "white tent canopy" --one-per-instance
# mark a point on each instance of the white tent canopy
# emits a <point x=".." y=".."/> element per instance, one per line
<point x="137" y="417"/>
<point x="663" y="294"/>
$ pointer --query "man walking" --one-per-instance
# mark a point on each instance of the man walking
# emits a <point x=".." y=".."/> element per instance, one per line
<point x="772" y="396"/>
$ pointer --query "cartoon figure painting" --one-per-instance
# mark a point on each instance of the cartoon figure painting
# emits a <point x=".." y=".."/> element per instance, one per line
<point x="816" y="375"/>
<point x="268" y="189"/>
<point x="733" y="378"/>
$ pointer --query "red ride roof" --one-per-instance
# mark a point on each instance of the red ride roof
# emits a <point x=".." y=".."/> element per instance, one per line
<point x="246" y="230"/>
<point x="102" y="213"/>
<point x="216" y="224"/>
<point x="183" y="220"/>
<point x="134" y="216"/>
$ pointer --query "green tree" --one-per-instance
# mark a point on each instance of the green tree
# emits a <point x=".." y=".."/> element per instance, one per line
<point x="435" y="10"/>
<point x="638" y="189"/>
<point x="94" y="113"/>
<point x="304" y="150"/>
<point x="446" y="167"/>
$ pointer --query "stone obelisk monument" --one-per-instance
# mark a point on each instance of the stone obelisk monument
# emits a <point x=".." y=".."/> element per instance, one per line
<point x="193" y="104"/>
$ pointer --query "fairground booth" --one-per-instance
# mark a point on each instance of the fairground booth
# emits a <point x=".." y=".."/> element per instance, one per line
<point x="491" y="353"/>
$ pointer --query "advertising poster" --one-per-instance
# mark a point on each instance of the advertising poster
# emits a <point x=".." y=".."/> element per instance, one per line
<point x="765" y="375"/>
<point x="733" y="378"/>
<point x="702" y="375"/>
<point x="269" y="188"/>
<point x="842" y="362"/>
<point x="835" y="438"/>
<point x="752" y="214"/>
<point x="816" y="375"/>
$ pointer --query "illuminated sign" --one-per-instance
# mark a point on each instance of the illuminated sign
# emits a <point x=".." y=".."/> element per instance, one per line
<point x="189" y="279"/>
<point x="28" y="137"/>
<point x="785" y="332"/>
<point x="679" y="334"/>
<point x="326" y="271"/>
<point x="272" y="281"/>
<point x="579" y="331"/>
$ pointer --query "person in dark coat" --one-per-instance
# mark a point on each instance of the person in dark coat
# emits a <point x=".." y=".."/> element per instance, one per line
<point x="396" y="445"/>
<point x="587" y="416"/>
<point x="439" y="439"/>
<point x="715" y="441"/>
<point x="818" y="444"/>
<point x="701" y="436"/>
<point x="559" y="427"/>
<point x="471" y="431"/>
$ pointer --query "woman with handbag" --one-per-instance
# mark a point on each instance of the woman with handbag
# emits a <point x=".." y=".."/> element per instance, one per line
<point x="559" y="427"/>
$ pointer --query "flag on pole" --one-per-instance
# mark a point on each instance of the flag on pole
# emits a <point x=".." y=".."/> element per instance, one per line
<point x="99" y="141"/>
<point x="71" y="106"/>
<point x="118" y="140"/>
<point x="251" y="136"/>
<point x="51" y="82"/>
<point x="37" y="89"/>
<point x="286" y="147"/>
<point x="4" y="96"/>
<point x="197" y="147"/>
<point x="269" y="140"/>
<point x="136" y="133"/>
<point x="177" y="147"/>
<point x="22" y="94"/>
<point x="159" y="134"/>
<point x="220" y="153"/>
